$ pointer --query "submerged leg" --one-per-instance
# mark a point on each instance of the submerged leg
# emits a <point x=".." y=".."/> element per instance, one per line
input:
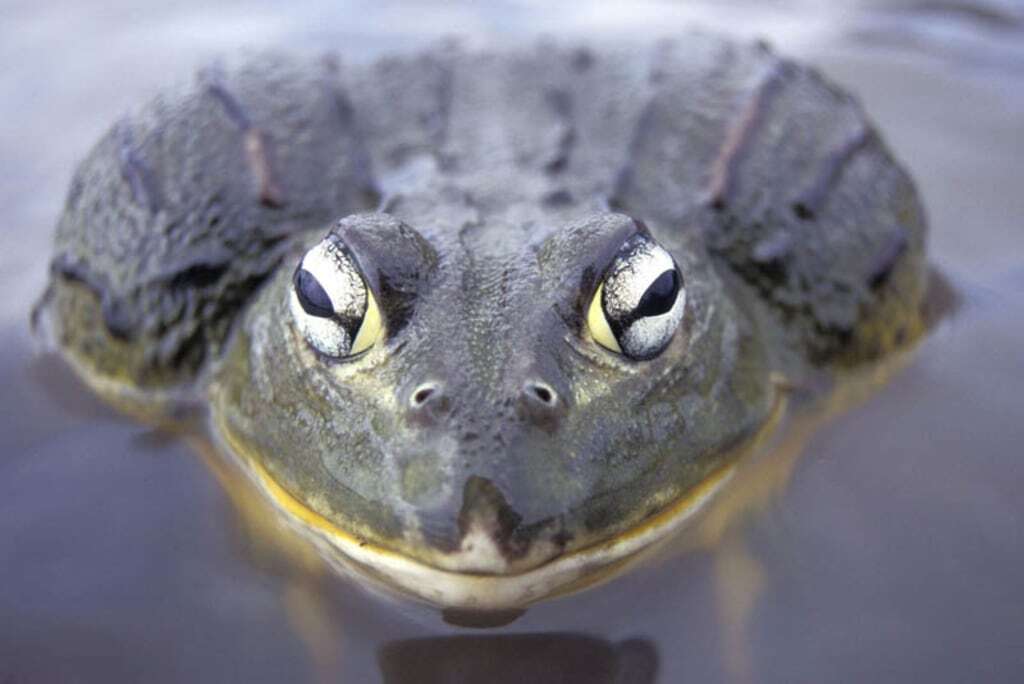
<point x="739" y="581"/>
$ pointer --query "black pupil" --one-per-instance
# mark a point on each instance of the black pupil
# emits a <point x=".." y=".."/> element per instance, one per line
<point x="660" y="296"/>
<point x="312" y="297"/>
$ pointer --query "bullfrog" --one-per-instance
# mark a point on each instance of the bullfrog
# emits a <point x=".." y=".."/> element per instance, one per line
<point x="486" y="324"/>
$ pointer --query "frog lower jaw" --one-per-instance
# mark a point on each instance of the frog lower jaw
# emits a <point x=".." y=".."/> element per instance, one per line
<point x="393" y="573"/>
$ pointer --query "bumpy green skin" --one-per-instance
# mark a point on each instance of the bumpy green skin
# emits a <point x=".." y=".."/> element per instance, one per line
<point x="172" y="221"/>
<point x="508" y="181"/>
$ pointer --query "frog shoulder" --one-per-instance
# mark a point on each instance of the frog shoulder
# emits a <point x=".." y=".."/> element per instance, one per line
<point x="791" y="185"/>
<point x="183" y="208"/>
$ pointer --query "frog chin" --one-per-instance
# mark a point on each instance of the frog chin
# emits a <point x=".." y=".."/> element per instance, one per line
<point x="480" y="553"/>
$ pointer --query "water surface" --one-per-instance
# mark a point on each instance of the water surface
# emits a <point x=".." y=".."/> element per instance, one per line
<point x="894" y="554"/>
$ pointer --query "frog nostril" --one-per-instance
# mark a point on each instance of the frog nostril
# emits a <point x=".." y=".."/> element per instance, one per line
<point x="427" y="403"/>
<point x="542" y="393"/>
<point x="541" y="405"/>
<point x="422" y="395"/>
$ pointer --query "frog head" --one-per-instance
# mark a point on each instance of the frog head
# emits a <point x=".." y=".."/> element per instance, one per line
<point x="482" y="426"/>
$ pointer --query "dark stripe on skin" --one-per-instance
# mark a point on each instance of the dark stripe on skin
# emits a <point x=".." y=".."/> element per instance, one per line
<point x="258" y="157"/>
<point x="115" y="316"/>
<point x="346" y="117"/>
<point x="342" y="106"/>
<point x="738" y="138"/>
<point x="808" y="202"/>
<point x="445" y="96"/>
<point x="624" y="176"/>
<point x="135" y="173"/>
<point x="255" y="141"/>
<point x="561" y="104"/>
<point x="894" y="248"/>
<point x="648" y="114"/>
<point x="231" y="106"/>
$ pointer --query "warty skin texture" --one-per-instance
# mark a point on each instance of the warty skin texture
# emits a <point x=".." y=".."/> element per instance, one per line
<point x="484" y="197"/>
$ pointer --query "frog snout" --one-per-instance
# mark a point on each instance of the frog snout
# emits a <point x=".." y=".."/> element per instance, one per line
<point x="536" y="402"/>
<point x="480" y="472"/>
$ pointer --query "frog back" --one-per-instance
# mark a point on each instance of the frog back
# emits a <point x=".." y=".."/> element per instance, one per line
<point x="778" y="172"/>
<point x="791" y="187"/>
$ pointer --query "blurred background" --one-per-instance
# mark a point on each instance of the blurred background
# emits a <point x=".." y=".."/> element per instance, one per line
<point x="895" y="554"/>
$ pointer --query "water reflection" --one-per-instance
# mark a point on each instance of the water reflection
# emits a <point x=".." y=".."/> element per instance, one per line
<point x="542" y="657"/>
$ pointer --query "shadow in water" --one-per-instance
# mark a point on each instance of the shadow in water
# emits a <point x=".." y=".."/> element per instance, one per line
<point x="535" y="658"/>
<point x="49" y="374"/>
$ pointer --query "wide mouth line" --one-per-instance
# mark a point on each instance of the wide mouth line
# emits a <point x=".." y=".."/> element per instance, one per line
<point x="344" y="540"/>
<point x="614" y="547"/>
<point x="392" y="572"/>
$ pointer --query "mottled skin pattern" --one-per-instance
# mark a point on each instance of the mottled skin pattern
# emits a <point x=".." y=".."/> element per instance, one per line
<point x="483" y="196"/>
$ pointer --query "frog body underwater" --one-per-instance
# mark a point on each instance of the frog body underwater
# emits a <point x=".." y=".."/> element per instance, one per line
<point x="488" y="324"/>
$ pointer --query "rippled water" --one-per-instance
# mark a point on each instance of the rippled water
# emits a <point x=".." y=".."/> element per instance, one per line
<point x="895" y="553"/>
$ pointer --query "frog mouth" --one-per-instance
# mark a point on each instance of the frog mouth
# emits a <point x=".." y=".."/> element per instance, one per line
<point x="393" y="572"/>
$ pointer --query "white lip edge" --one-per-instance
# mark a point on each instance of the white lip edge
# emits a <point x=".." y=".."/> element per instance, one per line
<point x="391" y="573"/>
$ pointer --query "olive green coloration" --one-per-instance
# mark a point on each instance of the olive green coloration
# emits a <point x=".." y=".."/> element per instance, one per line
<point x="489" y="429"/>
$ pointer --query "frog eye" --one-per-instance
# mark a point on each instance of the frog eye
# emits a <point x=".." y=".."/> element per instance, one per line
<point x="638" y="306"/>
<point x="332" y="306"/>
